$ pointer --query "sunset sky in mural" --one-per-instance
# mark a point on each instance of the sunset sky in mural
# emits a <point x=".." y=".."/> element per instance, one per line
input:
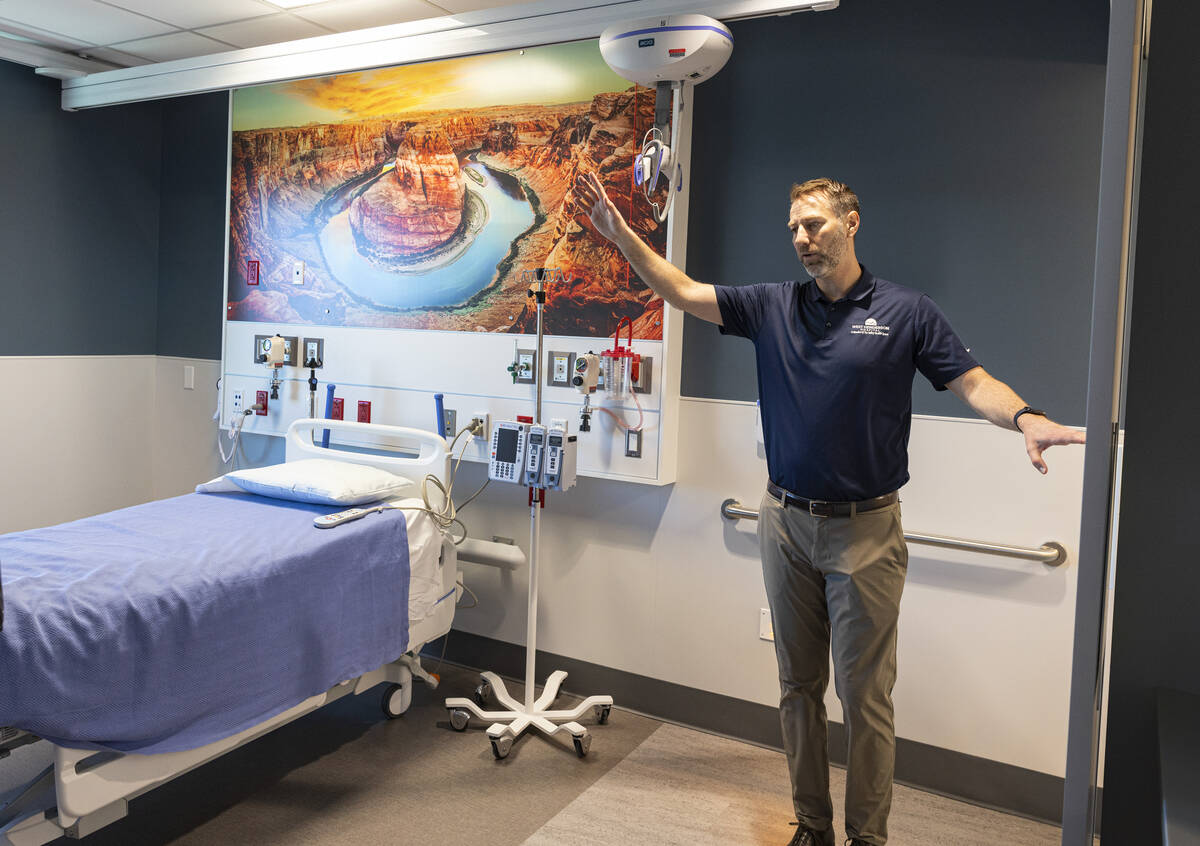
<point x="560" y="73"/>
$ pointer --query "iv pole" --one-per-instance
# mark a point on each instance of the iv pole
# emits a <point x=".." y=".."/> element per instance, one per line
<point x="509" y="724"/>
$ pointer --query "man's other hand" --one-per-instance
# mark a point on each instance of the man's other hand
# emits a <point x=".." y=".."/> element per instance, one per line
<point x="1042" y="433"/>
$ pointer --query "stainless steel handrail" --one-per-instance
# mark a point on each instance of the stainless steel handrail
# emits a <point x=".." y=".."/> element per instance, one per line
<point x="1050" y="553"/>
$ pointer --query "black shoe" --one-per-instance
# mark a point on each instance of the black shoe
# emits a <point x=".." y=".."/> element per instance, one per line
<point x="804" y="836"/>
<point x="853" y="841"/>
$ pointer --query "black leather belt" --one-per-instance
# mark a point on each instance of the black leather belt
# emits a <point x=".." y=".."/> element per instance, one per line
<point x="819" y="508"/>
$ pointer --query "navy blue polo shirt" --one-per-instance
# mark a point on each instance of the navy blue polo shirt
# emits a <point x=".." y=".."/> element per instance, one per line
<point x="835" y="379"/>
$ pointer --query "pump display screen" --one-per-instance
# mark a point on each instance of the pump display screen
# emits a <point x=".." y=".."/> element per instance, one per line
<point x="506" y="445"/>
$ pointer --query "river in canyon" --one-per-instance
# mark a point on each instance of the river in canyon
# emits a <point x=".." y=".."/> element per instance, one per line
<point x="509" y="215"/>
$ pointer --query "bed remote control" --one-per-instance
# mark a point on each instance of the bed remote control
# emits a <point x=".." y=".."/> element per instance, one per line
<point x="328" y="521"/>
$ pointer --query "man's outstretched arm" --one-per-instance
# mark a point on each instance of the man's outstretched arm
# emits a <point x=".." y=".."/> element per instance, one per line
<point x="664" y="278"/>
<point x="996" y="402"/>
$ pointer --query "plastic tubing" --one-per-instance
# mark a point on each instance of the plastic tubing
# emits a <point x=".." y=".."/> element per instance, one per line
<point x="441" y="415"/>
<point x="328" y="411"/>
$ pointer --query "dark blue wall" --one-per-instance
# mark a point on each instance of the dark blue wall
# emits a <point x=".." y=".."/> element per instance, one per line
<point x="79" y="234"/>
<point x="971" y="133"/>
<point x="195" y="136"/>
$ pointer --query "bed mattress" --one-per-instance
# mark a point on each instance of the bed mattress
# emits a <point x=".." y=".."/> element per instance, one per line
<point x="173" y="624"/>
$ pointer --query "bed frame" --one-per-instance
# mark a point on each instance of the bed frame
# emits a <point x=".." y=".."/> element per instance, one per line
<point x="85" y="790"/>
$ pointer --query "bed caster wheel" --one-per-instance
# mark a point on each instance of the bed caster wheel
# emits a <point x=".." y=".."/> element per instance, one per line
<point x="501" y="747"/>
<point x="459" y="719"/>
<point x="483" y="694"/>
<point x="393" y="701"/>
<point x="582" y="744"/>
<point x="602" y="712"/>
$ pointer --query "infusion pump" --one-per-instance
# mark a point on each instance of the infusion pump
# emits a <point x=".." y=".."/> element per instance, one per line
<point x="533" y="456"/>
<point x="508" y="452"/>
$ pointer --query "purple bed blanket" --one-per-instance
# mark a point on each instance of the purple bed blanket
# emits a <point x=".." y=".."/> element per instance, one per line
<point x="174" y="624"/>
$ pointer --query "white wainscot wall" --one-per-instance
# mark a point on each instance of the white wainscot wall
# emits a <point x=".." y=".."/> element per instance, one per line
<point x="88" y="434"/>
<point x="654" y="582"/>
<point x="185" y="434"/>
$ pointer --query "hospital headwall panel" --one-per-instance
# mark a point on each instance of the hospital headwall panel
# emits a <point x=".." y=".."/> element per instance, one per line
<point x="399" y="216"/>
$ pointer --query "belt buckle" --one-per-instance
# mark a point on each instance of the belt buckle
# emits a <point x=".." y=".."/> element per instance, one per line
<point x="819" y="509"/>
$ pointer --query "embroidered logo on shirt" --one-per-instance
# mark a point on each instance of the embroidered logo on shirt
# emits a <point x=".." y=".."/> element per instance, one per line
<point x="870" y="326"/>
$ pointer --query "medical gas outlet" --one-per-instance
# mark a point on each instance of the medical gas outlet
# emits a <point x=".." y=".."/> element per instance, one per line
<point x="524" y="368"/>
<point x="560" y="369"/>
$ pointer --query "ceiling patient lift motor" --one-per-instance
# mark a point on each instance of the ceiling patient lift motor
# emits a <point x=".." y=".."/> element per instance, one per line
<point x="664" y="54"/>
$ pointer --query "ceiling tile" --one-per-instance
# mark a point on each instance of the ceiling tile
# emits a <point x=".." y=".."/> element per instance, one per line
<point x="177" y="45"/>
<point x="85" y="20"/>
<point x="189" y="14"/>
<point x="269" y="30"/>
<point x="458" y="7"/>
<point x="347" y="15"/>
<point x="116" y="57"/>
<point x="39" y="36"/>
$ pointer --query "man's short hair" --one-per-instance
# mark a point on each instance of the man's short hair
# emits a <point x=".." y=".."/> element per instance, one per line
<point x="837" y="194"/>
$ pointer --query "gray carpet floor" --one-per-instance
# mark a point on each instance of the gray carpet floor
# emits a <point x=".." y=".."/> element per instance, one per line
<point x="344" y="775"/>
<point x="687" y="788"/>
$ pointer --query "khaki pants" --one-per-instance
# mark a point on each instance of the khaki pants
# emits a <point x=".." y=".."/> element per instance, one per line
<point x="839" y="575"/>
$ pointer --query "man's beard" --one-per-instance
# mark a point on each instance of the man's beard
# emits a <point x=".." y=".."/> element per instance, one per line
<point x="827" y="260"/>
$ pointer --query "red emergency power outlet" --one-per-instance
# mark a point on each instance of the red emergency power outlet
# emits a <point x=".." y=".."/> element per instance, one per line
<point x="364" y="411"/>
<point x="260" y="398"/>
<point x="338" y="412"/>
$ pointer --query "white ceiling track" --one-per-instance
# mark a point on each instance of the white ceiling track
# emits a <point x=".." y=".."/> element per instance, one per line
<point x="486" y="31"/>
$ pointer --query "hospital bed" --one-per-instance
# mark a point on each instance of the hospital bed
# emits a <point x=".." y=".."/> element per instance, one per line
<point x="93" y="778"/>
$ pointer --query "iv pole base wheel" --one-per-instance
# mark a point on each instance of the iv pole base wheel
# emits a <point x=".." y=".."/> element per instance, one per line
<point x="505" y="726"/>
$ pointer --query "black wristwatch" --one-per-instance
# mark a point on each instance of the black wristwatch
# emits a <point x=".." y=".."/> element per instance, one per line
<point x="1029" y="409"/>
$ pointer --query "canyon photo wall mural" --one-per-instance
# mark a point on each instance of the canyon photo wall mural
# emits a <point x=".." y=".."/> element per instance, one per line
<point x="416" y="196"/>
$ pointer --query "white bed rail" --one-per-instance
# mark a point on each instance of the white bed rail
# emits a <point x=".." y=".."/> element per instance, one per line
<point x="303" y="441"/>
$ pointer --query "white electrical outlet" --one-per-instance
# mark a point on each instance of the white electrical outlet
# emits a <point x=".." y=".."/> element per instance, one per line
<point x="238" y="407"/>
<point x="486" y="434"/>
<point x="298" y="273"/>
<point x="766" y="631"/>
<point x="189" y="377"/>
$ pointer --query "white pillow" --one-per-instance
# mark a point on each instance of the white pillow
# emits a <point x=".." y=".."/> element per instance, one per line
<point x="319" y="480"/>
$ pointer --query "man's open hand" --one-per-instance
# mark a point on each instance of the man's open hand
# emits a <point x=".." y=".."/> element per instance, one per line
<point x="600" y="209"/>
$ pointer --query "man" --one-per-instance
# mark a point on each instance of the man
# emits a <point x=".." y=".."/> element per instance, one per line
<point x="836" y="360"/>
